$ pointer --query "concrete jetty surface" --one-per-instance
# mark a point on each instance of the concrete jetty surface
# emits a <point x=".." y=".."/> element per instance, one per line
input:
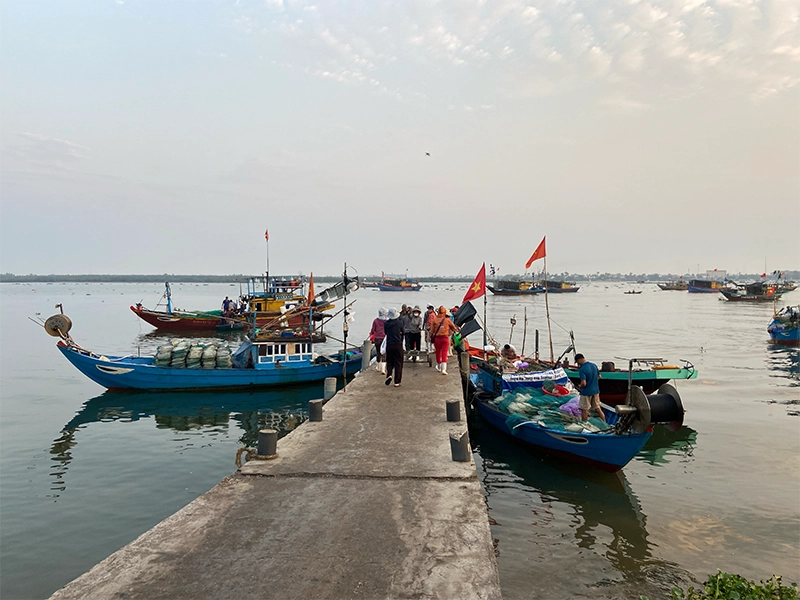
<point x="366" y="503"/>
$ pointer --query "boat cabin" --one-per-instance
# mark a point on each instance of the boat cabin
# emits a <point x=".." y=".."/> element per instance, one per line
<point x="288" y="351"/>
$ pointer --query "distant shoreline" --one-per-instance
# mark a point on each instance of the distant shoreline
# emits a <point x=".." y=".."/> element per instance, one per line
<point x="238" y="278"/>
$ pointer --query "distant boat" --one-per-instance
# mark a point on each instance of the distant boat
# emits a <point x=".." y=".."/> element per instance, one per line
<point x="399" y="284"/>
<point x="632" y="292"/>
<point x="705" y="286"/>
<point x="785" y="326"/>
<point x="557" y="287"/>
<point x="678" y="285"/>
<point x="514" y="287"/>
<point x="752" y="292"/>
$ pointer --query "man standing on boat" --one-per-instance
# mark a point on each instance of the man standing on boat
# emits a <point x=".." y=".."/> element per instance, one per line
<point x="226" y="306"/>
<point x="589" y="387"/>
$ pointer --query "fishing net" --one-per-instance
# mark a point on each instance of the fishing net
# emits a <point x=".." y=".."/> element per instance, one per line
<point x="533" y="405"/>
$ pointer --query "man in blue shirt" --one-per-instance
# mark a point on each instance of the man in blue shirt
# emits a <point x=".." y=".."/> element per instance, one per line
<point x="589" y="387"/>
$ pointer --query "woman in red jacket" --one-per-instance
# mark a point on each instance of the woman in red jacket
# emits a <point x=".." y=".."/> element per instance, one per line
<point x="441" y="330"/>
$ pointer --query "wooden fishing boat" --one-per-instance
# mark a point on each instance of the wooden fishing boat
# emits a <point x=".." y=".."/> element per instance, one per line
<point x="708" y="286"/>
<point x="784" y="328"/>
<point x="514" y="287"/>
<point x="399" y="284"/>
<point x="632" y="292"/>
<point x="679" y="285"/>
<point x="647" y="373"/>
<point x="266" y="300"/>
<point x="273" y="358"/>
<point x="607" y="446"/>
<point x="752" y="292"/>
<point x="558" y="287"/>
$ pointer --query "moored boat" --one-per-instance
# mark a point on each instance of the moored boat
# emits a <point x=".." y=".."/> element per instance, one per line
<point x="558" y="287"/>
<point x="399" y="284"/>
<point x="752" y="292"/>
<point x="784" y="328"/>
<point x="514" y="287"/>
<point x="679" y="285"/>
<point x="713" y="282"/>
<point x="550" y="424"/>
<point x="273" y="358"/>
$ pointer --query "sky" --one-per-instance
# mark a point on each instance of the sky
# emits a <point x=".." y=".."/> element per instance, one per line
<point x="419" y="137"/>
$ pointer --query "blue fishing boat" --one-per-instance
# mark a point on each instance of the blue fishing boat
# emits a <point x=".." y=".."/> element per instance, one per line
<point x="273" y="358"/>
<point x="399" y="284"/>
<point x="514" y="287"/>
<point x="785" y="326"/>
<point x="607" y="446"/>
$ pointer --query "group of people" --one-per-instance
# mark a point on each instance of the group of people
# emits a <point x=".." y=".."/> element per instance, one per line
<point x="231" y="309"/>
<point x="396" y="333"/>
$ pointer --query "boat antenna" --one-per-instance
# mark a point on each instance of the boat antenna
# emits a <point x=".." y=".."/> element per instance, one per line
<point x="513" y="321"/>
<point x="547" y="309"/>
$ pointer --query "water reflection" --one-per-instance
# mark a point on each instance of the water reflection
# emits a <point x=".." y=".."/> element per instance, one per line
<point x="665" y="444"/>
<point x="605" y="515"/>
<point x="281" y="409"/>
<point x="784" y="362"/>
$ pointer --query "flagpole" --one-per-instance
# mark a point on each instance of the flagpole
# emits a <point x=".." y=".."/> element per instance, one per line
<point x="484" y="325"/>
<point x="547" y="310"/>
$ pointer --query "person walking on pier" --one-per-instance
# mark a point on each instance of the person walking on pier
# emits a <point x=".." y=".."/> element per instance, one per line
<point x="589" y="387"/>
<point x="376" y="335"/>
<point x="393" y="327"/>
<point x="413" y="329"/>
<point x="441" y="329"/>
<point x="426" y="324"/>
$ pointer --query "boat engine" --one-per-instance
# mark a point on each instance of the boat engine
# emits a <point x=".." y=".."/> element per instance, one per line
<point x="642" y="410"/>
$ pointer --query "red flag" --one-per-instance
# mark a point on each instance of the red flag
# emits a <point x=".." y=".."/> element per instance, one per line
<point x="478" y="287"/>
<point x="537" y="254"/>
<point x="266" y="235"/>
<point x="763" y="274"/>
<point x="310" y="289"/>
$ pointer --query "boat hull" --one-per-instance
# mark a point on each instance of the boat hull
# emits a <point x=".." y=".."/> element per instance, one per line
<point x="608" y="452"/>
<point x="139" y="373"/>
<point x="734" y="297"/>
<point x="510" y="292"/>
<point x="397" y="288"/>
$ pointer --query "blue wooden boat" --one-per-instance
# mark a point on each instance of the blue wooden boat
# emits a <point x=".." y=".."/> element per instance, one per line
<point x="609" y="451"/>
<point x="785" y="326"/>
<point x="514" y="287"/>
<point x="274" y="364"/>
<point x="273" y="358"/>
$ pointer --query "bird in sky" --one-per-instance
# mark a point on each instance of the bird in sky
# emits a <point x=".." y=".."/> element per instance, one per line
<point x="427" y="154"/>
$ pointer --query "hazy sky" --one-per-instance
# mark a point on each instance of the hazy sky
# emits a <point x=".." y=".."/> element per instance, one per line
<point x="158" y="136"/>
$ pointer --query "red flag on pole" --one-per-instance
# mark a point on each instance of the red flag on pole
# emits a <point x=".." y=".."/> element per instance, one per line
<point x="478" y="287"/>
<point x="537" y="254"/>
<point x="310" y="289"/>
<point x="266" y="235"/>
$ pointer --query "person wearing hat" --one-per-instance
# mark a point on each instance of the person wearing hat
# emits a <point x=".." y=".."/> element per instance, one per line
<point x="393" y="327"/>
<point x="441" y="329"/>
<point x="426" y="325"/>
<point x="376" y="335"/>
<point x="413" y="329"/>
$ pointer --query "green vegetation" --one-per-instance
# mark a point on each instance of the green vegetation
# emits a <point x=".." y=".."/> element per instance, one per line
<point x="725" y="586"/>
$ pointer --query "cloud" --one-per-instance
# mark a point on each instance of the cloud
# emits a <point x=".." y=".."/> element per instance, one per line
<point x="645" y="50"/>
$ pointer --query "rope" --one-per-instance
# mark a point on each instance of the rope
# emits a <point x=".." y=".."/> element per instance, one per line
<point x="252" y="454"/>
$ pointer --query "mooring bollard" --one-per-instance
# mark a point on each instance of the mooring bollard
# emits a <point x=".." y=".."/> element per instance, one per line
<point x="366" y="352"/>
<point x="454" y="410"/>
<point x="463" y="362"/>
<point x="315" y="409"/>
<point x="330" y="388"/>
<point x="459" y="446"/>
<point x="267" y="442"/>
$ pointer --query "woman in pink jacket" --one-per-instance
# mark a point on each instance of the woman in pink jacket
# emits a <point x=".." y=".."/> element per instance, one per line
<point x="376" y="335"/>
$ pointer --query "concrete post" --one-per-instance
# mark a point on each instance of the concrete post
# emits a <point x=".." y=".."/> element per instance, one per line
<point x="315" y="410"/>
<point x="330" y="388"/>
<point x="366" y="351"/>
<point x="267" y="442"/>
<point x="463" y="362"/>
<point x="459" y="446"/>
<point x="454" y="410"/>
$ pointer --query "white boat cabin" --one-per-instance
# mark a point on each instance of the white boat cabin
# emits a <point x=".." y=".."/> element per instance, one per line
<point x="274" y="351"/>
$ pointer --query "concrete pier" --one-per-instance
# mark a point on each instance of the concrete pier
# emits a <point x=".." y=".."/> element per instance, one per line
<point x="366" y="503"/>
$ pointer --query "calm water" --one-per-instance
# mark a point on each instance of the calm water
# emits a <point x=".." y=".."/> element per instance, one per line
<point x="85" y="472"/>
